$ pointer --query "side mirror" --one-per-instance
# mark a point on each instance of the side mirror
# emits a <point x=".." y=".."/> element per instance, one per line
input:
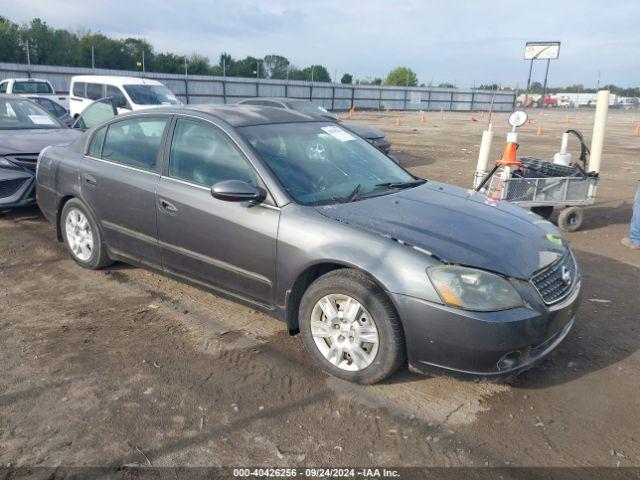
<point x="237" y="191"/>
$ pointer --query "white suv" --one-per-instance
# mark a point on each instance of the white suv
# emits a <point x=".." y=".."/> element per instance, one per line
<point x="130" y="93"/>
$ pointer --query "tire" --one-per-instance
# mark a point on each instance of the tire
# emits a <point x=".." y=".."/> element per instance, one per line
<point x="82" y="237"/>
<point x="342" y="347"/>
<point x="570" y="219"/>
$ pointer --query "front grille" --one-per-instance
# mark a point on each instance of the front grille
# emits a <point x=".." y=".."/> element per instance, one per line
<point x="550" y="283"/>
<point x="9" y="187"/>
<point x="27" y="160"/>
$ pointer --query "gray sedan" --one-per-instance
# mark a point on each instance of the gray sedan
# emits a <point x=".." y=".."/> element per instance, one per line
<point x="373" y="266"/>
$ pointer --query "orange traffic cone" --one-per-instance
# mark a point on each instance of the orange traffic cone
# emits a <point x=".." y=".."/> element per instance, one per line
<point x="539" y="131"/>
<point x="509" y="156"/>
<point x="638" y="130"/>
<point x="481" y="114"/>
<point x="567" y="119"/>
<point x="398" y="121"/>
<point x="423" y="118"/>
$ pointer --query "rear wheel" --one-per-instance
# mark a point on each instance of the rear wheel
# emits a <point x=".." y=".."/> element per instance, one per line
<point x="350" y="328"/>
<point x="82" y="237"/>
<point x="570" y="219"/>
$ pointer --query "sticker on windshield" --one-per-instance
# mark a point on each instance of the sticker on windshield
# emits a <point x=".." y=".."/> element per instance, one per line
<point x="340" y="134"/>
<point x="41" y="120"/>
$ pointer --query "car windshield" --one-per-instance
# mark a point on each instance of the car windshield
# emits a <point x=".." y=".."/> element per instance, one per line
<point x="17" y="114"/>
<point x="151" y="95"/>
<point x="321" y="163"/>
<point x="310" y="108"/>
<point x="32" y="87"/>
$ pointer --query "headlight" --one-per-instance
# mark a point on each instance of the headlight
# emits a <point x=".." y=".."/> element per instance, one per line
<point x="6" y="163"/>
<point x="473" y="289"/>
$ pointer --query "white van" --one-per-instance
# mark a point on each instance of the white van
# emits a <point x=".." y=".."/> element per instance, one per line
<point x="130" y="93"/>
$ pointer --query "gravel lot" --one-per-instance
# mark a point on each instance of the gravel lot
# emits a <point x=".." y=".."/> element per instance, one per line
<point x="123" y="365"/>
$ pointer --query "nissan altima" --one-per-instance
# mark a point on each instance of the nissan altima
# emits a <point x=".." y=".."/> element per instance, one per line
<point x="374" y="267"/>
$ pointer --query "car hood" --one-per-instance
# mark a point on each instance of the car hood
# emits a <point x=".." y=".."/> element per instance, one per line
<point x="34" y="140"/>
<point x="458" y="226"/>
<point x="364" y="131"/>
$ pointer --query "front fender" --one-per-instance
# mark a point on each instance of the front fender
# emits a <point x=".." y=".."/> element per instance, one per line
<point x="306" y="238"/>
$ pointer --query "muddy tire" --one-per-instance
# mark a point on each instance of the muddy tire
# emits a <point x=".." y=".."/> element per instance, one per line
<point x="350" y="328"/>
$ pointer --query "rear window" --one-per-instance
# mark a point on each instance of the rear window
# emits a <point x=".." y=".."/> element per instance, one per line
<point x="95" y="148"/>
<point x="78" y="89"/>
<point x="32" y="87"/>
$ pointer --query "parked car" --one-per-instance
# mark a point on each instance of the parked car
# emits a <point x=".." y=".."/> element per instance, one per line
<point x="33" y="86"/>
<point x="53" y="108"/>
<point x="130" y="93"/>
<point x="374" y="136"/>
<point x="25" y="129"/>
<point x="371" y="264"/>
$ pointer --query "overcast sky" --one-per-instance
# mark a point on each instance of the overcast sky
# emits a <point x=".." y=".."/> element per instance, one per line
<point x="465" y="42"/>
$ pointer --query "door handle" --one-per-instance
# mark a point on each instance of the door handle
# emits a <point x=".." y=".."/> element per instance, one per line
<point x="168" y="207"/>
<point x="90" y="179"/>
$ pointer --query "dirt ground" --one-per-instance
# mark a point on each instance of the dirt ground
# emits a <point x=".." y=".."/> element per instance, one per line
<point x="124" y="365"/>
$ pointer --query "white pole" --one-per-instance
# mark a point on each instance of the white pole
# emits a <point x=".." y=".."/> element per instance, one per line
<point x="599" y="125"/>
<point x="483" y="156"/>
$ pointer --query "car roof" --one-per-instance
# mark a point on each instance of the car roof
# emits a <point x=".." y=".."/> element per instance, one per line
<point x="26" y="80"/>
<point x="115" y="80"/>
<point x="278" y="99"/>
<point x="239" y="115"/>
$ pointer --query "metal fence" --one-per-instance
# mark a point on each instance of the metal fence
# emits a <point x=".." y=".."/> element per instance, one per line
<point x="332" y="96"/>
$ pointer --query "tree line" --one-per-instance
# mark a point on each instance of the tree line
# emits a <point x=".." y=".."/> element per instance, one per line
<point x="38" y="43"/>
<point x="51" y="46"/>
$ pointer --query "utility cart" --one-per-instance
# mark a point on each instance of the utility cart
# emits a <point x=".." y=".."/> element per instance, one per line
<point x="543" y="186"/>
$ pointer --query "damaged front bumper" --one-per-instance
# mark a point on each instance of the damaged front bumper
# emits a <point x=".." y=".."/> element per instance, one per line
<point x="482" y="343"/>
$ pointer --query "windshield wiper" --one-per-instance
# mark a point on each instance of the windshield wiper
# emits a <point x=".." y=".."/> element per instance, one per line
<point x="354" y="194"/>
<point x="408" y="184"/>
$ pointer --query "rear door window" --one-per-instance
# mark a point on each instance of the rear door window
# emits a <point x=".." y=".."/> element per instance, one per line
<point x="3" y="87"/>
<point x="135" y="142"/>
<point x="79" y="89"/>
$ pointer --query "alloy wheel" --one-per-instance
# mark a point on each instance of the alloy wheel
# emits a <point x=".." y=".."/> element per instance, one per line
<point x="79" y="235"/>
<point x="344" y="332"/>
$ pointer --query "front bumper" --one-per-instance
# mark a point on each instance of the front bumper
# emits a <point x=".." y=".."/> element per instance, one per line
<point x="17" y="188"/>
<point x="482" y="343"/>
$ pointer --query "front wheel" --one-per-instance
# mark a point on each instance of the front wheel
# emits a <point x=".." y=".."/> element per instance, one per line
<point x="350" y="328"/>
